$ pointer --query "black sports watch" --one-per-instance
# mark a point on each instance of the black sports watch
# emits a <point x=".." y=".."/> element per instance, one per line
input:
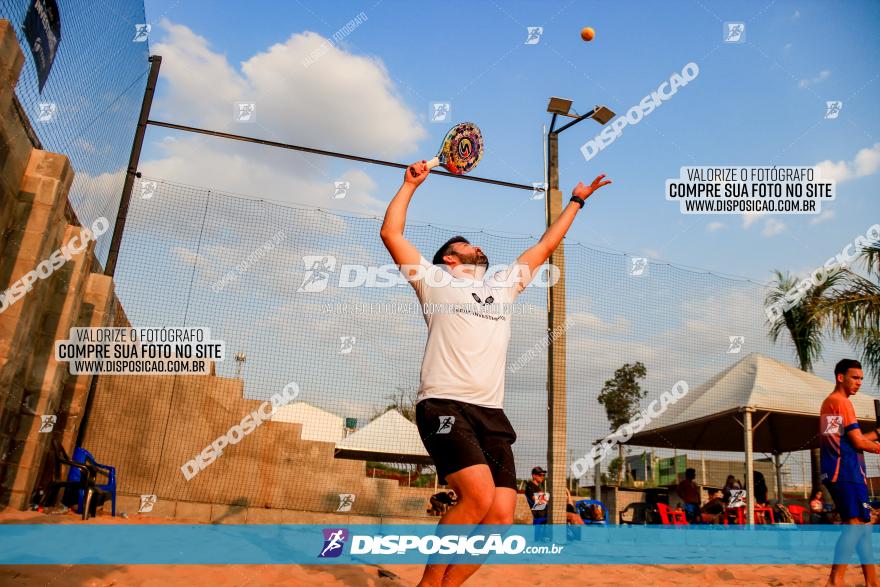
<point x="578" y="199"/>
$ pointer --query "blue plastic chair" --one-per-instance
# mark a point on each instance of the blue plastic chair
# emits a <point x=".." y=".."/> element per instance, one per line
<point x="81" y="455"/>
<point x="581" y="506"/>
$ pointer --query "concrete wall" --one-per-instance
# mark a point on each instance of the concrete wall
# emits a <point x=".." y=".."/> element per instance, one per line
<point x="35" y="220"/>
<point x="149" y="426"/>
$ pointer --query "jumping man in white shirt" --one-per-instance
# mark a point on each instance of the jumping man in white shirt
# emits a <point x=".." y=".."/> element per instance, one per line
<point x="459" y="411"/>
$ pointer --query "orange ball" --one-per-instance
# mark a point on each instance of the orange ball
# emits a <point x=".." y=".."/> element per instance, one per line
<point x="587" y="33"/>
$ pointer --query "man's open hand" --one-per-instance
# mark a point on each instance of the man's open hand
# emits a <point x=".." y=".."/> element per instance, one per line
<point x="416" y="173"/>
<point x="585" y="191"/>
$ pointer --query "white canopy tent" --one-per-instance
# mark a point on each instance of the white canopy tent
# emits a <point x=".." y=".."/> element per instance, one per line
<point x="759" y="404"/>
<point x="389" y="438"/>
<point x="317" y="424"/>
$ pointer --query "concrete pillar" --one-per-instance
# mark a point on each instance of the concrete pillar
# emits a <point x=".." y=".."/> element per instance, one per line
<point x="750" y="466"/>
<point x="778" y="465"/>
<point x="556" y="376"/>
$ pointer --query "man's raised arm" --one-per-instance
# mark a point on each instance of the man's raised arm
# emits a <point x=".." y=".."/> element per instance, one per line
<point x="538" y="254"/>
<point x="402" y="251"/>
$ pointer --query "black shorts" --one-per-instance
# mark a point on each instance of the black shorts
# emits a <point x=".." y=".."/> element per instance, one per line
<point x="458" y="435"/>
<point x="850" y="500"/>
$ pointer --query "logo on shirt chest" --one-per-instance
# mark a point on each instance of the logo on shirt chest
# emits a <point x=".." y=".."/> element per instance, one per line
<point x="489" y="300"/>
<point x="832" y="425"/>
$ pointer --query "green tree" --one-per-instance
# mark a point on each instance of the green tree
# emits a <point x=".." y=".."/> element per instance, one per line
<point x="852" y="310"/>
<point x="402" y="400"/>
<point x="845" y="305"/>
<point x="802" y="322"/>
<point x="620" y="396"/>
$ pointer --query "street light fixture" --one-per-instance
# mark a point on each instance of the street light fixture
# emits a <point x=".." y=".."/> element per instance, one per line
<point x="556" y="396"/>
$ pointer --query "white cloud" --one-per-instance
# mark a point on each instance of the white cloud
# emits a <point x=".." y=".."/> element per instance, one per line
<point x="714" y="226"/>
<point x="824" y="216"/>
<point x="772" y="227"/>
<point x="749" y="219"/>
<point x="342" y="102"/>
<point x="866" y="162"/>
<point x="196" y="161"/>
<point x="823" y="75"/>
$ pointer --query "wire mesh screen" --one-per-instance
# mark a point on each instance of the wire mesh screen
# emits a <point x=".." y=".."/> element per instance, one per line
<point x="274" y="283"/>
<point x="88" y="106"/>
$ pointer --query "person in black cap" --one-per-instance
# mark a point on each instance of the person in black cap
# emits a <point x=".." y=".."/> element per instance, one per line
<point x="536" y="496"/>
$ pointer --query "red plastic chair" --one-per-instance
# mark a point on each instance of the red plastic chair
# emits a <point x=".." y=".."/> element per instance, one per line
<point x="767" y="511"/>
<point x="797" y="512"/>
<point x="671" y="517"/>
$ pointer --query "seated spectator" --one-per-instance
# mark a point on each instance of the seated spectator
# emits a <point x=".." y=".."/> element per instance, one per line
<point x="818" y="512"/>
<point x="571" y="515"/>
<point x="730" y="485"/>
<point x="440" y="502"/>
<point x="713" y="510"/>
<point x="689" y="493"/>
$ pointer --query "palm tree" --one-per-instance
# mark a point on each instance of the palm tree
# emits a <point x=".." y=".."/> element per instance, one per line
<point x="802" y="321"/>
<point x="852" y="310"/>
<point x="846" y="303"/>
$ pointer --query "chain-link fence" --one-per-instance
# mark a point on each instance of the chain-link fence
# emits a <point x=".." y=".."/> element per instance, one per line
<point x="298" y="296"/>
<point x="88" y="106"/>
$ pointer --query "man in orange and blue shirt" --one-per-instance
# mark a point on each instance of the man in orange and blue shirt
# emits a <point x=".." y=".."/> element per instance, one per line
<point x="843" y="467"/>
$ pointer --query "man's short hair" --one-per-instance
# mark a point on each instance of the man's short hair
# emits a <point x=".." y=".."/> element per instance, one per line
<point x="690" y="474"/>
<point x="446" y="249"/>
<point x="845" y="365"/>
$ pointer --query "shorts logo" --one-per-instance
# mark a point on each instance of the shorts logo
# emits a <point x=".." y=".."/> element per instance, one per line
<point x="833" y="425"/>
<point x="446" y="423"/>
<point x="334" y="540"/>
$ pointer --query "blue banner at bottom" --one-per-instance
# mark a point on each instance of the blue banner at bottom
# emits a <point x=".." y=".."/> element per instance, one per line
<point x="419" y="544"/>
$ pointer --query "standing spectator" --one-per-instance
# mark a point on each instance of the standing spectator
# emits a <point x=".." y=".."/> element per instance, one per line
<point x="536" y="496"/>
<point x="843" y="470"/>
<point x="760" y="489"/>
<point x="537" y="499"/>
<point x="689" y="492"/>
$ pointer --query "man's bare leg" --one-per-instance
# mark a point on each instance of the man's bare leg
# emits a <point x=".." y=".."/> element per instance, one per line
<point x="853" y="539"/>
<point x="501" y="513"/>
<point x="475" y="490"/>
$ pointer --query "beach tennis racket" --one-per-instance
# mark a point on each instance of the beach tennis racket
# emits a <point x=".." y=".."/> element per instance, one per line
<point x="460" y="151"/>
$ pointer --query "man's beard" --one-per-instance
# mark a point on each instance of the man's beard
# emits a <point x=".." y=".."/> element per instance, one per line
<point x="476" y="259"/>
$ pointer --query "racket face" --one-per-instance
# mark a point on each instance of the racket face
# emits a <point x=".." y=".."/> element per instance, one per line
<point x="462" y="148"/>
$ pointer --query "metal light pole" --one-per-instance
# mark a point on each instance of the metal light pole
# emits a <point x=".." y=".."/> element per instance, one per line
<point x="121" y="215"/>
<point x="556" y="395"/>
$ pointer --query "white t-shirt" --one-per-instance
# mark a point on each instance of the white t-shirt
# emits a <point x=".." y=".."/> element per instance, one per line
<point x="468" y="333"/>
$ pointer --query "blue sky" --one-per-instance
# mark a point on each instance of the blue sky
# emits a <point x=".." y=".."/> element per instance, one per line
<point x="761" y="102"/>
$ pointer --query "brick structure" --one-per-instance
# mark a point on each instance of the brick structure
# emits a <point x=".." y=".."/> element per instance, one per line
<point x="164" y="420"/>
